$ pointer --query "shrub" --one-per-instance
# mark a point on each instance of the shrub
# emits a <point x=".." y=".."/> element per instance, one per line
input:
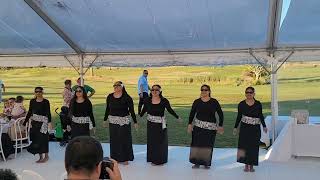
<point x="255" y="75"/>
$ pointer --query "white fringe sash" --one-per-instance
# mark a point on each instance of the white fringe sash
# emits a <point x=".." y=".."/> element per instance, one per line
<point x="158" y="119"/>
<point x="83" y="120"/>
<point x="119" y="120"/>
<point x="250" y="120"/>
<point x="205" y="125"/>
<point x="43" y="119"/>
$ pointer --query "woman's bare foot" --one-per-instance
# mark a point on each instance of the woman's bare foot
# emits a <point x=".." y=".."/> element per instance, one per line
<point x="156" y="164"/>
<point x="246" y="168"/>
<point x="196" y="166"/>
<point x="45" y="159"/>
<point x="40" y="159"/>
<point x="251" y="169"/>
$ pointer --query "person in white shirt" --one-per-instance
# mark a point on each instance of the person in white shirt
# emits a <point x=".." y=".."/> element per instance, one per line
<point x="143" y="89"/>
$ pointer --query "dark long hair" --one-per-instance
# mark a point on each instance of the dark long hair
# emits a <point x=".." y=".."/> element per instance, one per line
<point x="208" y="87"/>
<point x="251" y="88"/>
<point x="37" y="88"/>
<point x="85" y="96"/>
<point x="160" y="95"/>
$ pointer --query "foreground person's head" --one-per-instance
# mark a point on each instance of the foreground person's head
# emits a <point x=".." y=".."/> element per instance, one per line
<point x="83" y="158"/>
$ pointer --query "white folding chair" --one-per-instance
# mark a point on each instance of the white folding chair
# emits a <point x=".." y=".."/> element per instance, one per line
<point x="1" y="149"/>
<point x="21" y="135"/>
<point x="31" y="175"/>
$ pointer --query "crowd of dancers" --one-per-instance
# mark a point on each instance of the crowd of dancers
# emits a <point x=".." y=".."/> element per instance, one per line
<point x="205" y="121"/>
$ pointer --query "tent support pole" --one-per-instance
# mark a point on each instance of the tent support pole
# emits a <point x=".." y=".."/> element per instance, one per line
<point x="274" y="92"/>
<point x="81" y="69"/>
<point x="274" y="98"/>
<point x="274" y="87"/>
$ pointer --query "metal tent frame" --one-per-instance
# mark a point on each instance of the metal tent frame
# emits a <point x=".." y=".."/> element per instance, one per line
<point x="259" y="54"/>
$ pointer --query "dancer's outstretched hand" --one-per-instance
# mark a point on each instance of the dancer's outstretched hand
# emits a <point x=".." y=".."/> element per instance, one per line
<point x="220" y="130"/>
<point x="49" y="126"/>
<point x="235" y="131"/>
<point x="105" y="124"/>
<point x="136" y="126"/>
<point x="265" y="130"/>
<point x="190" y="128"/>
<point x="94" y="131"/>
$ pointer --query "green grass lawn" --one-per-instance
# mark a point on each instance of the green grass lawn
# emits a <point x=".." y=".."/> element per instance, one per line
<point x="299" y="87"/>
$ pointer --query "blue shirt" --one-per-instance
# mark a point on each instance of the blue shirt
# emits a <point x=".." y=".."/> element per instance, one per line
<point x="144" y="83"/>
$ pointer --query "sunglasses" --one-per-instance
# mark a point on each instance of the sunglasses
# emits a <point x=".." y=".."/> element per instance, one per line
<point x="155" y="90"/>
<point x="79" y="91"/>
<point x="117" y="85"/>
<point x="204" y="89"/>
<point x="38" y="91"/>
<point x="249" y="92"/>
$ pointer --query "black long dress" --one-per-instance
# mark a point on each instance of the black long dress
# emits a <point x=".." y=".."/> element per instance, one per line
<point x="203" y="139"/>
<point x="81" y="110"/>
<point x="120" y="134"/>
<point x="40" y="141"/>
<point x="249" y="135"/>
<point x="157" y="136"/>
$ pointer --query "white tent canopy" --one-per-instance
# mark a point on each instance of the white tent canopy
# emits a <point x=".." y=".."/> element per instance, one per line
<point x="149" y="27"/>
<point x="160" y="33"/>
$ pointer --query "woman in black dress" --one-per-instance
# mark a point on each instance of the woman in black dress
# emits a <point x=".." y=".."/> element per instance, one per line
<point x="204" y="126"/>
<point x="250" y="118"/>
<point x="157" y="136"/>
<point x="118" y="108"/>
<point x="81" y="114"/>
<point x="40" y="116"/>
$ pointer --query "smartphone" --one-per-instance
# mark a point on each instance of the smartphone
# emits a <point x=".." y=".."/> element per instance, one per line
<point x="106" y="162"/>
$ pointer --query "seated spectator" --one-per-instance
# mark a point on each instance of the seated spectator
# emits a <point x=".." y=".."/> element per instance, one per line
<point x="7" y="174"/>
<point x="6" y="108"/>
<point x="83" y="158"/>
<point x="18" y="109"/>
<point x="12" y="100"/>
